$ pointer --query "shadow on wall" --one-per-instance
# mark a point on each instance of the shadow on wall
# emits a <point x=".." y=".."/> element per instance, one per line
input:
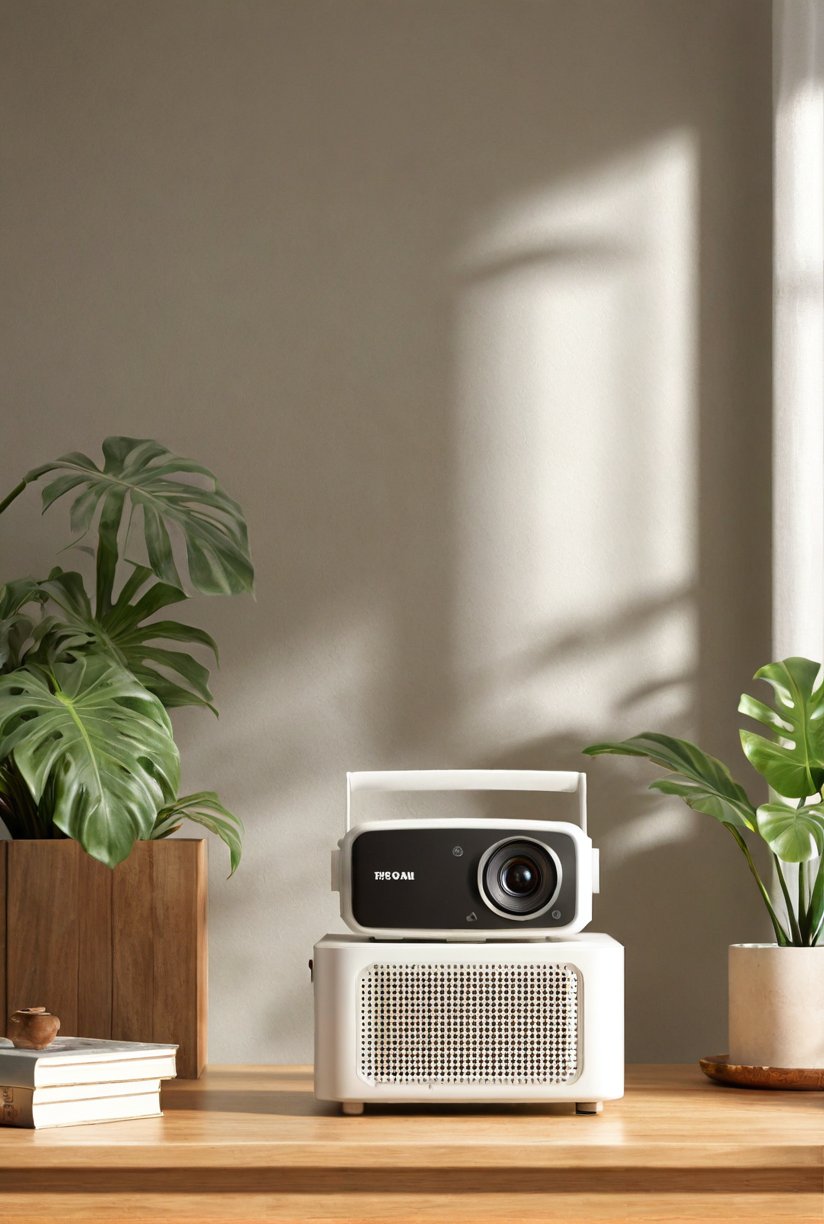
<point x="469" y="305"/>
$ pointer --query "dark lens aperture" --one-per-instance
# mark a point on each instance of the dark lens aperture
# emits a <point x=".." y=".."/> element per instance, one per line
<point x="519" y="878"/>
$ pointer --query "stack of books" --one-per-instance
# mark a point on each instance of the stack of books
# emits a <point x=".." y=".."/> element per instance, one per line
<point x="82" y="1079"/>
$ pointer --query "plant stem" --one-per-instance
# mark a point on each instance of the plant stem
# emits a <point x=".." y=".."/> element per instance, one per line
<point x="780" y="934"/>
<point x="795" y="931"/>
<point x="803" y="904"/>
<point x="816" y="912"/>
<point x="9" y="498"/>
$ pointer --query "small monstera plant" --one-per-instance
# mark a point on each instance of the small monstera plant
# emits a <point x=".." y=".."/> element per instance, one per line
<point x="791" y="758"/>
<point x="86" y="679"/>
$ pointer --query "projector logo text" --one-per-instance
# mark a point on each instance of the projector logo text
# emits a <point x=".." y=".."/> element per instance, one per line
<point x="394" y="875"/>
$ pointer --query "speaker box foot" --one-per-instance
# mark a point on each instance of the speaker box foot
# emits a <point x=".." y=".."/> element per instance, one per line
<point x="589" y="1107"/>
<point x="352" y="1108"/>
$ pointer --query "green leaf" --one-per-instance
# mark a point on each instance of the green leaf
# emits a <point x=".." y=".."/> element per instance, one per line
<point x="795" y="835"/>
<point x="140" y="474"/>
<point x="16" y="626"/>
<point x="702" y="781"/>
<point x="203" y="808"/>
<point x="792" y="763"/>
<point x="126" y="635"/>
<point x="103" y="744"/>
<point x="19" y="811"/>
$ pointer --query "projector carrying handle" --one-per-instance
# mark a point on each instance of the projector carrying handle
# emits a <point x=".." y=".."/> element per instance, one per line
<point x="469" y="779"/>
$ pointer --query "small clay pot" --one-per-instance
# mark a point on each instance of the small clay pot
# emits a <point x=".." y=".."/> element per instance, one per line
<point x="33" y="1028"/>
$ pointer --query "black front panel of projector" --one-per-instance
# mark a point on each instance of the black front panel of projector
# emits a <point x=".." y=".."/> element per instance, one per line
<point x="427" y="879"/>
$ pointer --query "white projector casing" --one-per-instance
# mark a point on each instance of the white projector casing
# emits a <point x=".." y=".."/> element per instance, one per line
<point x="438" y="1021"/>
<point x="580" y="880"/>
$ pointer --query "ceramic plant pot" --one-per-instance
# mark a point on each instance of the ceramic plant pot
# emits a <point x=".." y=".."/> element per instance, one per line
<point x="776" y="1006"/>
<point x="33" y="1028"/>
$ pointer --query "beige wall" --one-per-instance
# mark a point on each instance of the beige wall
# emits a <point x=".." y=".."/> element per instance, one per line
<point x="468" y="302"/>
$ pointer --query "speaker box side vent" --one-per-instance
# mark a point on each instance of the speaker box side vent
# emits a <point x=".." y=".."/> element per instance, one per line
<point x="469" y="1024"/>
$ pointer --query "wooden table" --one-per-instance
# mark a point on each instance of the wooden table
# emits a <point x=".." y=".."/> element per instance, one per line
<point x="252" y="1143"/>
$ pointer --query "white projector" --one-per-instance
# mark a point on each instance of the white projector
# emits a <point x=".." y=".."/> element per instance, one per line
<point x="466" y="978"/>
<point x="461" y="878"/>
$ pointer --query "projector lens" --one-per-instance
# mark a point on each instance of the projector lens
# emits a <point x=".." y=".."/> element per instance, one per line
<point x="519" y="878"/>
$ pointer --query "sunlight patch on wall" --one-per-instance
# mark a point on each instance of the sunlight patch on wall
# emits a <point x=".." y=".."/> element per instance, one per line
<point x="798" y="424"/>
<point x="577" y="440"/>
<point x="670" y="824"/>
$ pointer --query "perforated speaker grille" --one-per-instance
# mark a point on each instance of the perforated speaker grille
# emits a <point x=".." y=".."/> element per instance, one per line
<point x="469" y="1024"/>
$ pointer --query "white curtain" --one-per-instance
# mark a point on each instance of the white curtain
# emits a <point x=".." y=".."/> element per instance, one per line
<point x="798" y="439"/>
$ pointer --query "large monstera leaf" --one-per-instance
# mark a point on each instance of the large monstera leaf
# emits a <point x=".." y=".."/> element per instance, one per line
<point x="126" y="633"/>
<point x="139" y="474"/>
<point x="102" y="744"/>
<point x="792" y="762"/>
<point x="702" y="781"/>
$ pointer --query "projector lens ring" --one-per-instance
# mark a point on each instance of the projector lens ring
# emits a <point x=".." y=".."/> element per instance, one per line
<point x="519" y="878"/>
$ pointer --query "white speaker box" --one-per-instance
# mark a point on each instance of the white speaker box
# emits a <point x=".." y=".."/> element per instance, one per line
<point x="439" y="1021"/>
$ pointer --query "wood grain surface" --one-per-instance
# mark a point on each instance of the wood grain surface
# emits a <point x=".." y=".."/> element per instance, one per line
<point x="94" y="948"/>
<point x="5" y="1011"/>
<point x="132" y="940"/>
<point x="113" y="953"/>
<point x="252" y="1143"/>
<point x="179" y="1000"/>
<point x="42" y="928"/>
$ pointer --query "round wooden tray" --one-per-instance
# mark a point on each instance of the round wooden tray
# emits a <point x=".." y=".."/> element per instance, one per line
<point x="809" y="1079"/>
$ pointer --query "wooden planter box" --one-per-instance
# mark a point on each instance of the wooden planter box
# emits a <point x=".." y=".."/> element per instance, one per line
<point x="118" y="954"/>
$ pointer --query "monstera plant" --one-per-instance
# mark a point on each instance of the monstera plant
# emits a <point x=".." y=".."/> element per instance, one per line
<point x="87" y="676"/>
<point x="790" y="756"/>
